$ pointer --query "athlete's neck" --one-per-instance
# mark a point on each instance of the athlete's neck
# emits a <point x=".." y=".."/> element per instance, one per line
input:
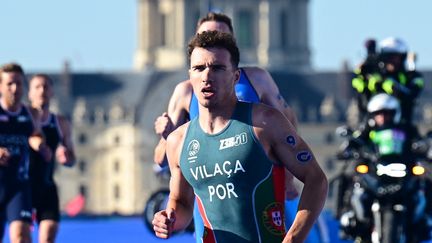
<point x="42" y="110"/>
<point x="8" y="106"/>
<point x="215" y="119"/>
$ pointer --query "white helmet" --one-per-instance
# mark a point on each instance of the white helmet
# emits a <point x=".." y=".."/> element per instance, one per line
<point x="383" y="101"/>
<point x="393" y="45"/>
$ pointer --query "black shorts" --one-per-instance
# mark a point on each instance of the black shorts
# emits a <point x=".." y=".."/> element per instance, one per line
<point x="15" y="201"/>
<point x="46" y="203"/>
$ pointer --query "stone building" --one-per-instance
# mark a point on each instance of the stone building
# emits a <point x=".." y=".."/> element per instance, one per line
<point x="270" y="33"/>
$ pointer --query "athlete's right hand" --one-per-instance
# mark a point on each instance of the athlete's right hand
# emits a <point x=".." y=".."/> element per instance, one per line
<point x="4" y="156"/>
<point x="45" y="152"/>
<point x="163" y="125"/>
<point x="163" y="223"/>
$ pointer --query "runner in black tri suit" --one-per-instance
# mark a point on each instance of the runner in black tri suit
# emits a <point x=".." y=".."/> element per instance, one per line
<point x="19" y="131"/>
<point x="228" y="155"/>
<point x="57" y="134"/>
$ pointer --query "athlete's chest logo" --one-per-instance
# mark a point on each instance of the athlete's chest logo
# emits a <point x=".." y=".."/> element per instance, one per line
<point x="233" y="141"/>
<point x="193" y="149"/>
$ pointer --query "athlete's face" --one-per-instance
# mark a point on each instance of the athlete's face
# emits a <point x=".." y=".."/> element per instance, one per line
<point x="212" y="75"/>
<point x="213" y="26"/>
<point x="11" y="88"/>
<point x="40" y="92"/>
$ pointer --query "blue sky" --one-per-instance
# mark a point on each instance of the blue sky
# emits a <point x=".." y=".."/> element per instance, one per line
<point x="100" y="35"/>
<point x="339" y="28"/>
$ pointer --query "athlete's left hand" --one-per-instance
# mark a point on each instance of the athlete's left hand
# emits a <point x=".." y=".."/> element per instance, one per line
<point x="63" y="156"/>
<point x="163" y="223"/>
<point x="4" y="156"/>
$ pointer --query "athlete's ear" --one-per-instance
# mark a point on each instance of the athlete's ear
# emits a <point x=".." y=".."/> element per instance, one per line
<point x="237" y="75"/>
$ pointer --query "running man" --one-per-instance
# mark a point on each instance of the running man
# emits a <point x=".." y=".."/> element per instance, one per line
<point x="255" y="85"/>
<point x="19" y="131"/>
<point x="227" y="158"/>
<point x="57" y="133"/>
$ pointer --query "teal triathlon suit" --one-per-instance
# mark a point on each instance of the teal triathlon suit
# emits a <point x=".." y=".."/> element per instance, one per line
<point x="15" y="196"/>
<point x="44" y="190"/>
<point x="235" y="183"/>
<point x="246" y="92"/>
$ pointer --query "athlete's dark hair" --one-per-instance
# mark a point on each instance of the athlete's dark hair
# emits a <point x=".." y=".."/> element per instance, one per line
<point x="210" y="39"/>
<point x="44" y="76"/>
<point x="11" y="68"/>
<point x="217" y="17"/>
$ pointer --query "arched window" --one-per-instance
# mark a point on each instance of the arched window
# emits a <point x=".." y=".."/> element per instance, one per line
<point x="116" y="140"/>
<point x="283" y="29"/>
<point x="116" y="192"/>
<point x="83" y="190"/>
<point x="163" y="31"/>
<point x="82" y="165"/>
<point x="116" y="166"/>
<point x="82" y="138"/>
<point x="244" y="29"/>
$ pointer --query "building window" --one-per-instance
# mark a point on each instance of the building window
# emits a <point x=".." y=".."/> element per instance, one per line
<point x="196" y="17"/>
<point x="116" y="192"/>
<point x="82" y="138"/>
<point x="163" y="30"/>
<point x="83" y="190"/>
<point x="82" y="165"/>
<point x="244" y="29"/>
<point x="283" y="25"/>
<point x="116" y="139"/>
<point x="116" y="166"/>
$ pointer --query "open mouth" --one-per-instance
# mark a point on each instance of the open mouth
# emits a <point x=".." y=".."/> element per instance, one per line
<point x="208" y="92"/>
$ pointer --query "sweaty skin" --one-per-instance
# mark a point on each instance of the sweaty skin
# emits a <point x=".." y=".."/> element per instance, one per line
<point x="178" y="113"/>
<point x="40" y="94"/>
<point x="213" y="83"/>
<point x="12" y="89"/>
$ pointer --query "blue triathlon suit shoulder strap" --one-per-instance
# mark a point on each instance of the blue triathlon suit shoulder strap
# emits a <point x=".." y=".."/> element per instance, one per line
<point x="244" y="91"/>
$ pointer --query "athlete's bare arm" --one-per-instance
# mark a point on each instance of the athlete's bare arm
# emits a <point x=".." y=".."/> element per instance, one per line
<point x="177" y="114"/>
<point x="65" y="152"/>
<point x="282" y="144"/>
<point x="268" y="92"/>
<point x="178" y="213"/>
<point x="37" y="139"/>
